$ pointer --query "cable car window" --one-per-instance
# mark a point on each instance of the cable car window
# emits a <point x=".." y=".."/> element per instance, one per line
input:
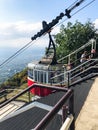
<point x="38" y="76"/>
<point x="35" y="75"/>
<point x="41" y="77"/>
<point x="30" y="73"/>
<point x="44" y="77"/>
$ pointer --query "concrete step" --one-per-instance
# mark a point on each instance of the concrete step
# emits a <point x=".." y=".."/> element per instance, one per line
<point x="10" y="108"/>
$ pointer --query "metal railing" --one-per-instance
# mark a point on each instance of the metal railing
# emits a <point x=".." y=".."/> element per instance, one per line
<point x="3" y="93"/>
<point x="79" y="72"/>
<point x="91" y="42"/>
<point x="68" y="96"/>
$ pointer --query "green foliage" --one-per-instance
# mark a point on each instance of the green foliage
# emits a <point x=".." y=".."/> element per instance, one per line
<point x="16" y="80"/>
<point x="73" y="36"/>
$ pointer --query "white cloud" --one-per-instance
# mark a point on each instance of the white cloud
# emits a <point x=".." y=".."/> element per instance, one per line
<point x="27" y="27"/>
<point x="19" y="33"/>
<point x="96" y="23"/>
<point x="18" y="29"/>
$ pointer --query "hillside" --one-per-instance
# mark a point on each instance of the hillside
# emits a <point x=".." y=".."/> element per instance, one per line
<point x="14" y="85"/>
<point x="16" y="80"/>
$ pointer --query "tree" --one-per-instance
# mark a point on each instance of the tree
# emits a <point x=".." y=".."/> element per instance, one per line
<point x="73" y="36"/>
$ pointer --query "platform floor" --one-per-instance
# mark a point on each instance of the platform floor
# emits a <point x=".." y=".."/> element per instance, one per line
<point x="88" y="117"/>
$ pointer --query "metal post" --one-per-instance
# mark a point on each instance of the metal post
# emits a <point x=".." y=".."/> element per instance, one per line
<point x="29" y="99"/>
<point x="64" y="113"/>
<point x="71" y="110"/>
<point x="5" y="94"/>
<point x="68" y="79"/>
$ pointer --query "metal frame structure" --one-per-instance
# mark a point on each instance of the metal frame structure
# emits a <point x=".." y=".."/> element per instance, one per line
<point x="68" y="96"/>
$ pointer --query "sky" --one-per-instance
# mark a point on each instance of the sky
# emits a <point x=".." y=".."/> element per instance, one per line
<point x="21" y="19"/>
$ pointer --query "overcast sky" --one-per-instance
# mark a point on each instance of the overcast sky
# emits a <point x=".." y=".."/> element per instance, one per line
<point x="21" y="19"/>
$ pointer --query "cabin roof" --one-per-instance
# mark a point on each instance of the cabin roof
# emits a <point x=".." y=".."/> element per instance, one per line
<point x="36" y="65"/>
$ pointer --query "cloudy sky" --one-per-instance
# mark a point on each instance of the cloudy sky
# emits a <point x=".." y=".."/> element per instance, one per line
<point x="21" y="19"/>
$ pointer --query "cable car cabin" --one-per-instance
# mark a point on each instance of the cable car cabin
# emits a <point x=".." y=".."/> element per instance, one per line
<point x="42" y="73"/>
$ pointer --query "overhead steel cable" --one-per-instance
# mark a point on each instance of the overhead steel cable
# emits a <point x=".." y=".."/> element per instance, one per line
<point x="76" y="12"/>
<point x="15" y="54"/>
<point x="76" y="4"/>
<point x="46" y="28"/>
<point x="73" y="4"/>
<point x="83" y="7"/>
<point x="49" y="26"/>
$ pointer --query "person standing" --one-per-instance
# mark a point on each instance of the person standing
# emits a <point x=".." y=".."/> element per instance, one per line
<point x="93" y="53"/>
<point x="83" y="57"/>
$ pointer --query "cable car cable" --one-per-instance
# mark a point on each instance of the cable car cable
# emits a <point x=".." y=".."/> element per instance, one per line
<point x="15" y="54"/>
<point x="83" y="7"/>
<point x="49" y="26"/>
<point x="72" y="4"/>
<point x="46" y="28"/>
<point x="76" y="12"/>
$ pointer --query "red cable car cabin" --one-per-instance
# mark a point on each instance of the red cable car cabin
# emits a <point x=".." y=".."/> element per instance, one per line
<point x="42" y="71"/>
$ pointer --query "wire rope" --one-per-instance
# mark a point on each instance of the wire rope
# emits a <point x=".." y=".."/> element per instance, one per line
<point x="76" y="12"/>
<point x="30" y="43"/>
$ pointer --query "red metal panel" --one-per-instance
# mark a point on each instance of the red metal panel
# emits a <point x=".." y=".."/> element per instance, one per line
<point x="39" y="91"/>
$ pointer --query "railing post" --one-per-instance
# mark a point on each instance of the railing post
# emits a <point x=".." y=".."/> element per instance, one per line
<point x="64" y="113"/>
<point x="5" y="95"/>
<point x="51" y="82"/>
<point x="68" y="79"/>
<point x="71" y="110"/>
<point x="29" y="96"/>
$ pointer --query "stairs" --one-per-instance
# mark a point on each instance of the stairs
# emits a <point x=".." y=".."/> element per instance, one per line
<point x="10" y="108"/>
<point x="77" y="75"/>
<point x="79" y="71"/>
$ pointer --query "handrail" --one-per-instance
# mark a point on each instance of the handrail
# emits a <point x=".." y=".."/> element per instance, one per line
<point x="92" y="75"/>
<point x="51" y="114"/>
<point x="3" y="93"/>
<point x="82" y="47"/>
<point x="67" y="122"/>
<point x="45" y="121"/>
<point x="75" y="72"/>
<point x="79" y="80"/>
<point x="82" y="64"/>
<point x="81" y="72"/>
<point x="67" y="96"/>
<point x="29" y="88"/>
